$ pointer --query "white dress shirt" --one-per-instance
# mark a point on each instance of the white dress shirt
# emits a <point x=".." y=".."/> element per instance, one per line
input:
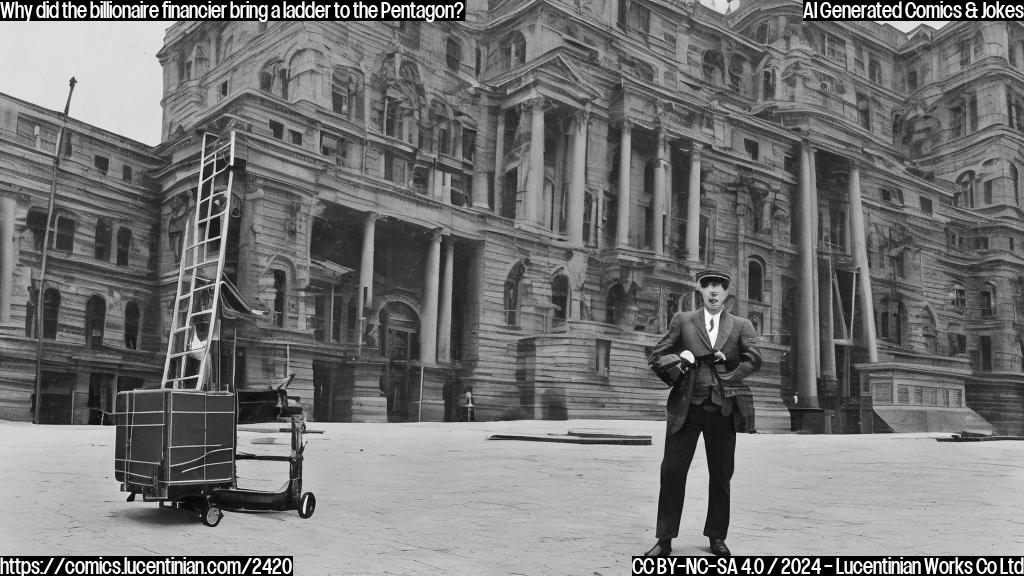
<point x="712" y="328"/>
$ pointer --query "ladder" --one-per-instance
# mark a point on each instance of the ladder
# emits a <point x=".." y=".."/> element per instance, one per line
<point x="194" y="324"/>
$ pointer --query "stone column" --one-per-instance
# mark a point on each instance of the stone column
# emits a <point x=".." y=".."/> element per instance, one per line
<point x="7" y="209"/>
<point x="444" y="320"/>
<point x="428" y="322"/>
<point x="693" y="206"/>
<point x="860" y="257"/>
<point x="499" y="161"/>
<point x="365" y="298"/>
<point x="534" y="205"/>
<point x="625" y="161"/>
<point x="816" y="231"/>
<point x="577" y="186"/>
<point x="667" y="208"/>
<point x="806" y="371"/>
<point x="658" y="197"/>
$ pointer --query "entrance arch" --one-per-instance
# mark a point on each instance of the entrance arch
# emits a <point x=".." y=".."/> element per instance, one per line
<point x="400" y="344"/>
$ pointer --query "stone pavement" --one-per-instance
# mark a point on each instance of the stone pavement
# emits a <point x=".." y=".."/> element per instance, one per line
<point x="440" y="499"/>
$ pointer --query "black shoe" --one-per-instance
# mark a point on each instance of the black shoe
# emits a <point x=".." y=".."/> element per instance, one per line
<point x="718" y="548"/>
<point x="662" y="548"/>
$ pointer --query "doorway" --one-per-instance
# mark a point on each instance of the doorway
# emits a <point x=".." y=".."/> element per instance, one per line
<point x="399" y="332"/>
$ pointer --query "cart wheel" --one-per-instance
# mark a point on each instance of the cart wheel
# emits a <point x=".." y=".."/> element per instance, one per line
<point x="307" y="504"/>
<point x="211" y="515"/>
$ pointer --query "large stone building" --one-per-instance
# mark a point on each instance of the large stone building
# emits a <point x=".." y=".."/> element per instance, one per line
<point x="518" y="203"/>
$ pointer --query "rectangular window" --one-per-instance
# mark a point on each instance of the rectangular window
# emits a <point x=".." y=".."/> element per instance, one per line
<point x="65" y="234"/>
<point x="988" y="191"/>
<point x="222" y="91"/>
<point x="752" y="148"/>
<point x="956" y="403"/>
<point x="395" y="168"/>
<point x="603" y="349"/>
<point x="837" y="230"/>
<point x="334" y="147"/>
<point x="789" y="164"/>
<point x="903" y="395"/>
<point x="926" y="205"/>
<point x="391" y="118"/>
<point x="296" y="137"/>
<point x="883" y="393"/>
<point x="277" y="130"/>
<point x="468" y="144"/>
<point x="444" y="141"/>
<point x="102" y="163"/>
<point x="981" y="243"/>
<point x="126" y="173"/>
<point x="957" y="344"/>
<point x="918" y="395"/>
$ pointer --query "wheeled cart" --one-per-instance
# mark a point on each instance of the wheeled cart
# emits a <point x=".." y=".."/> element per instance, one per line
<point x="179" y="447"/>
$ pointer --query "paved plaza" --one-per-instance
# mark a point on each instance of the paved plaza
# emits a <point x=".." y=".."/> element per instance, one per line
<point x="442" y="499"/>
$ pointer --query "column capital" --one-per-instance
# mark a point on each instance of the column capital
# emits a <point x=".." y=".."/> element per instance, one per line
<point x="696" y="152"/>
<point x="856" y="163"/>
<point x="536" y="103"/>
<point x="581" y="117"/>
<point x="436" y="234"/>
<point x="372" y="216"/>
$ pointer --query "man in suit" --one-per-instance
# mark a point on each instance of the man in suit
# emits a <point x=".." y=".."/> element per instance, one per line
<point x="704" y="357"/>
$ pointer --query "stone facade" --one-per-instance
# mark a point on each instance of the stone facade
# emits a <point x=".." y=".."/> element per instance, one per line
<point x="518" y="203"/>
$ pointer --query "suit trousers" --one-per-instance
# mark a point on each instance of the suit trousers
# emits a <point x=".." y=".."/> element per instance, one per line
<point x="720" y="447"/>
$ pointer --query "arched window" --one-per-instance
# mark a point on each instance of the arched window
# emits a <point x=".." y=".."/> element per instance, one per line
<point x="560" y="296"/>
<point x="713" y="67"/>
<point x="513" y="51"/>
<point x="95" y="320"/>
<point x="124" y="245"/>
<point x="453" y="54"/>
<point x="761" y="36"/>
<point x="51" y="312"/>
<point x="616" y="305"/>
<point x="104" y="237"/>
<point x="280" y="296"/>
<point x="36" y="221"/>
<point x="987" y="300"/>
<point x="768" y="84"/>
<point x="274" y="78"/>
<point x="964" y="195"/>
<point x="513" y="287"/>
<point x="755" y="280"/>
<point x="131" y="326"/>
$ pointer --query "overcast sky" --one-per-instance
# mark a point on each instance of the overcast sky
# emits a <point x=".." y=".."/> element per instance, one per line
<point x="119" y="79"/>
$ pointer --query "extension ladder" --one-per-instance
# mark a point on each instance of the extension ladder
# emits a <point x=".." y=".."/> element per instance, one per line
<point x="194" y="324"/>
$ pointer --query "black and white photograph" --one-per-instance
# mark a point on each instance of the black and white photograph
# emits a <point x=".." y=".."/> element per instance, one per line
<point x="556" y="288"/>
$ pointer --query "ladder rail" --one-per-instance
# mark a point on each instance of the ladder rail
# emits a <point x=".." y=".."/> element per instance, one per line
<point x="197" y="298"/>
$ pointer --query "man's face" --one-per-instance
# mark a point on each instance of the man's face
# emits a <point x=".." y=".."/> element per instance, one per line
<point x="714" y="294"/>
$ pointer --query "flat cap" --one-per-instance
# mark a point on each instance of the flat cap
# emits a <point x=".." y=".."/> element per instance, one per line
<point x="705" y="276"/>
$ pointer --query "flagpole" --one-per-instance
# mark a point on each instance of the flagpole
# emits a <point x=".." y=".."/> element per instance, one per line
<point x="41" y="291"/>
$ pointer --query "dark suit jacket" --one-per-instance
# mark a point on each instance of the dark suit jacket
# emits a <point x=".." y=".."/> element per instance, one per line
<point x="736" y="339"/>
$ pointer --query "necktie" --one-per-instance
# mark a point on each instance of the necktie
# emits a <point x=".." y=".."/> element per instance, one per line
<point x="712" y="326"/>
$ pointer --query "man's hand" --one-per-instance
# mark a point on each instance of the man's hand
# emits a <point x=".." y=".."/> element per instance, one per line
<point x="719" y="356"/>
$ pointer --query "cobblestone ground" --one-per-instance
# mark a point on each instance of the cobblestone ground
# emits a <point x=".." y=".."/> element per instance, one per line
<point x="440" y="499"/>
